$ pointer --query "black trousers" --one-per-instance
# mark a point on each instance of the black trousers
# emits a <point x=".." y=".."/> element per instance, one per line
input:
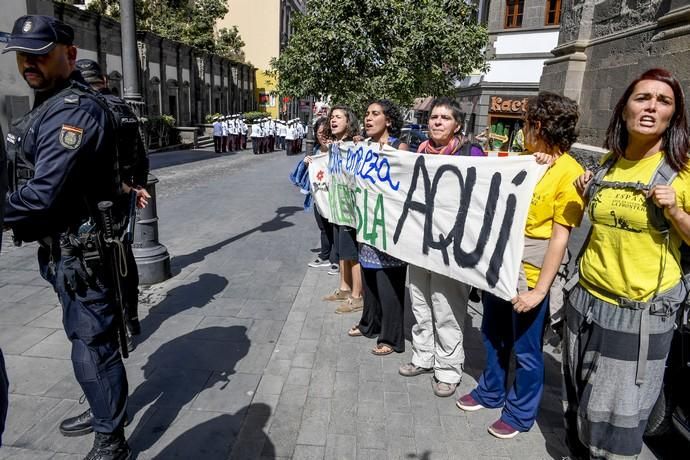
<point x="327" y="243"/>
<point x="4" y="394"/>
<point x="255" y="145"/>
<point x="88" y="315"/>
<point x="217" y="141"/>
<point x="384" y="297"/>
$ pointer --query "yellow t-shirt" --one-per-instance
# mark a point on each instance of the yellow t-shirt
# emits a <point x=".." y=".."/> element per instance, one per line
<point x="626" y="254"/>
<point x="555" y="199"/>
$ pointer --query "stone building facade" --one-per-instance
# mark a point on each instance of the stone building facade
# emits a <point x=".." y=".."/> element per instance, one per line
<point x="604" y="45"/>
<point x="521" y="36"/>
<point x="265" y="27"/>
<point x="174" y="78"/>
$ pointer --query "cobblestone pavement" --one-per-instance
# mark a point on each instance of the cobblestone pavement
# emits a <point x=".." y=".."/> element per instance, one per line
<point x="239" y="358"/>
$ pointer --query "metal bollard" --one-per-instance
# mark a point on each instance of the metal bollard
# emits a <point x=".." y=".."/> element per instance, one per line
<point x="153" y="260"/>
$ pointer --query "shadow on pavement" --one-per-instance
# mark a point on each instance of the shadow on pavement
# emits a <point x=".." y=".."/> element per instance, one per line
<point x="193" y="295"/>
<point x="278" y="222"/>
<point x="212" y="440"/>
<point x="181" y="369"/>
<point x="550" y="416"/>
<point x="166" y="159"/>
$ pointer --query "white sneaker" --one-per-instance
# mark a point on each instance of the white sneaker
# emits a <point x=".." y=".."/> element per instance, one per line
<point x="335" y="270"/>
<point x="319" y="263"/>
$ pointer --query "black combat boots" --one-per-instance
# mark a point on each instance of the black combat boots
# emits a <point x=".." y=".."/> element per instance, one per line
<point x="80" y="425"/>
<point x="77" y="426"/>
<point x="109" y="446"/>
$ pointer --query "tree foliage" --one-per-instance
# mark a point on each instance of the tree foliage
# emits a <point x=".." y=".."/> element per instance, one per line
<point x="188" y="21"/>
<point x="357" y="50"/>
<point x="230" y="44"/>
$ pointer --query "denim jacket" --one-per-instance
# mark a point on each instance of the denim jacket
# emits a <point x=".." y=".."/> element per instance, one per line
<point x="300" y="178"/>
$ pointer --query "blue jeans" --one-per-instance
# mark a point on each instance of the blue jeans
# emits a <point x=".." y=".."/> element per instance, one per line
<point x="502" y="331"/>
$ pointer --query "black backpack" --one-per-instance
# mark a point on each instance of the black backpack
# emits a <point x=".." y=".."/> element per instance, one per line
<point x="132" y="156"/>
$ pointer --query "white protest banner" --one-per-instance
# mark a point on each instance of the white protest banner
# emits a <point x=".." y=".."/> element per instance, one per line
<point x="463" y="217"/>
<point x="320" y="181"/>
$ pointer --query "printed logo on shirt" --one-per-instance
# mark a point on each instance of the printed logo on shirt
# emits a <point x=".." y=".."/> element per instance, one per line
<point x="71" y="136"/>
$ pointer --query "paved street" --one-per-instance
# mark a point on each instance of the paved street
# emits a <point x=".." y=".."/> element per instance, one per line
<point x="239" y="357"/>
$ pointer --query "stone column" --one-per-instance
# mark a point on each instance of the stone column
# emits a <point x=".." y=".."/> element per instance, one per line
<point x="565" y="72"/>
<point x="130" y="71"/>
<point x="153" y="260"/>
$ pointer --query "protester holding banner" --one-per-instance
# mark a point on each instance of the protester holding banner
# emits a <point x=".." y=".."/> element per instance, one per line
<point x="342" y="126"/>
<point x="383" y="275"/>
<point x="620" y="317"/>
<point x="327" y="256"/>
<point x="556" y="207"/>
<point x="439" y="303"/>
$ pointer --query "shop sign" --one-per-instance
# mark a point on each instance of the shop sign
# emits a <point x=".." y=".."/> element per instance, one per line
<point x="499" y="104"/>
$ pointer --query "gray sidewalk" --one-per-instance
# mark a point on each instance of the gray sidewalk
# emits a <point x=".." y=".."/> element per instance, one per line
<point x="239" y="358"/>
<point x="334" y="399"/>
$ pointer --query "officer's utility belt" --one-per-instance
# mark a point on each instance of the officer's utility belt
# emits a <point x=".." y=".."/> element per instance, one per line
<point x="84" y="246"/>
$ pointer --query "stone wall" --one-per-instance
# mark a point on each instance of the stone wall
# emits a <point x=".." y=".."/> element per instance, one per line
<point x="534" y="15"/>
<point x="604" y="45"/>
<point x="174" y="78"/>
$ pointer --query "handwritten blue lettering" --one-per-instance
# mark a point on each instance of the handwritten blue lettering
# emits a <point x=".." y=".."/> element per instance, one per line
<point x="369" y="166"/>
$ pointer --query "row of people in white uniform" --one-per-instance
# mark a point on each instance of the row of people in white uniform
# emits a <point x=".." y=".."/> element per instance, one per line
<point x="229" y="133"/>
<point x="268" y="134"/>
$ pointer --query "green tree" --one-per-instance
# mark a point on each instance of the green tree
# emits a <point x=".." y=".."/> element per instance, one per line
<point x="356" y="50"/>
<point x="188" y="21"/>
<point x="230" y="44"/>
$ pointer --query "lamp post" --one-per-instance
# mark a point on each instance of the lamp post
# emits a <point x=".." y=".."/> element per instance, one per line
<point x="153" y="260"/>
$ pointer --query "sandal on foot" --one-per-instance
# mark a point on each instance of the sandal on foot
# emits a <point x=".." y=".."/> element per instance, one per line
<point x="382" y="349"/>
<point x="354" y="331"/>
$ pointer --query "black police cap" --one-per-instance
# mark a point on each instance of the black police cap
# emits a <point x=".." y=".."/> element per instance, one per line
<point x="35" y="34"/>
<point x="90" y="70"/>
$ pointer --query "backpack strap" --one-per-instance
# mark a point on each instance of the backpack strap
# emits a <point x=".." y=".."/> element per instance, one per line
<point x="598" y="179"/>
<point x="664" y="175"/>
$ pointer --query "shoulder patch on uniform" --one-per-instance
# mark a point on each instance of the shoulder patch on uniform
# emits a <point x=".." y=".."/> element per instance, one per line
<point x="71" y="136"/>
<point x="72" y="99"/>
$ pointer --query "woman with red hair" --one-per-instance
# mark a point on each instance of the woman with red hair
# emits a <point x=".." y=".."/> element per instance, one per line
<point x="620" y="316"/>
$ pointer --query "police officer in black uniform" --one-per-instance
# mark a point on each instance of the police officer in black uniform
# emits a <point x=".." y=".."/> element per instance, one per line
<point x="134" y="170"/>
<point x="4" y="382"/>
<point x="63" y="164"/>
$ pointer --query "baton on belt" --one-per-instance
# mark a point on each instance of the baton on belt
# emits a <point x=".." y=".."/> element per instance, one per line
<point x="109" y="244"/>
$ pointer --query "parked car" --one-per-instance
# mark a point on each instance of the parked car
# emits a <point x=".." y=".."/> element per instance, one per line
<point x="413" y="136"/>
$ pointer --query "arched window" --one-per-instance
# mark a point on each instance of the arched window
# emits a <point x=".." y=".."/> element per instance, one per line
<point x="115" y="82"/>
<point x="514" y="11"/>
<point x="155" y="96"/>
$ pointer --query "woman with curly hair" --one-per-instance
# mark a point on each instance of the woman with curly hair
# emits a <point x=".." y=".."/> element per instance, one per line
<point x="621" y="315"/>
<point x="383" y="275"/>
<point x="343" y="126"/>
<point x="517" y="325"/>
